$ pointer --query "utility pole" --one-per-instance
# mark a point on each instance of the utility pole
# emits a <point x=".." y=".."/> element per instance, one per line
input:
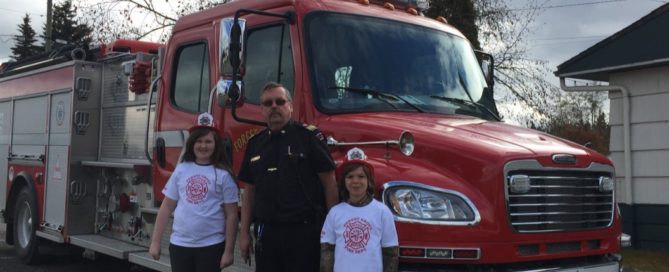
<point x="47" y="43"/>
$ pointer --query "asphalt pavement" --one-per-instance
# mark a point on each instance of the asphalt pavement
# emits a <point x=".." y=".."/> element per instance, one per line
<point x="64" y="258"/>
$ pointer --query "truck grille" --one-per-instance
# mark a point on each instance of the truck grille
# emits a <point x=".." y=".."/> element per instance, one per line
<point x="560" y="200"/>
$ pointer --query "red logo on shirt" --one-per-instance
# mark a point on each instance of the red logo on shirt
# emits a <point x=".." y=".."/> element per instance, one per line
<point x="196" y="189"/>
<point x="356" y="234"/>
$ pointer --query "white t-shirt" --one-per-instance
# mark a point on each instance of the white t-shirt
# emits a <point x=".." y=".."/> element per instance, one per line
<point x="200" y="192"/>
<point x="358" y="234"/>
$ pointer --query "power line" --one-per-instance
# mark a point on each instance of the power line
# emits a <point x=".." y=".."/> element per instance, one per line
<point x="22" y="12"/>
<point x="569" y="5"/>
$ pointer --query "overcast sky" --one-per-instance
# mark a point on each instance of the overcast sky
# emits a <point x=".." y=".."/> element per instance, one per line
<point x="562" y="30"/>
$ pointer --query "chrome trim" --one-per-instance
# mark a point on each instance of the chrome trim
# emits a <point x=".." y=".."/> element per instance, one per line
<point x="478" y="253"/>
<point x="563" y="186"/>
<point x="564" y="159"/>
<point x="562" y="195"/>
<point x="147" y="153"/>
<point x="553" y="213"/>
<point x="561" y="178"/>
<point x="533" y="165"/>
<point x="625" y="240"/>
<point x="398" y="218"/>
<point x="332" y="142"/>
<point x="558" y="204"/>
<point x="557" y="222"/>
<point x="114" y="164"/>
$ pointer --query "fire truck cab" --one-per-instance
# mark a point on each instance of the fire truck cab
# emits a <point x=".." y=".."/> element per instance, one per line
<point x="87" y="145"/>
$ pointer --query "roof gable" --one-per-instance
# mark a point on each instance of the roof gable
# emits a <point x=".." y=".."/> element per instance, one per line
<point x="644" y="43"/>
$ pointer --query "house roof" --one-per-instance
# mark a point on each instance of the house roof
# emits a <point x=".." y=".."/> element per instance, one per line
<point x="642" y="44"/>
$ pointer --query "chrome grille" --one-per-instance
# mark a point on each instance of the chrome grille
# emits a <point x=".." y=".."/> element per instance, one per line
<point x="559" y="200"/>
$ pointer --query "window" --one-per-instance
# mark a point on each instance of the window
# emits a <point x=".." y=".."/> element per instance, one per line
<point x="191" y="81"/>
<point x="268" y="58"/>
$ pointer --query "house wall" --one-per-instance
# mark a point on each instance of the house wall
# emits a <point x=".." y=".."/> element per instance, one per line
<point x="646" y="215"/>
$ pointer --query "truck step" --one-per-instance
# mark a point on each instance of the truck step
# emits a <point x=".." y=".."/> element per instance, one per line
<point x="144" y="259"/>
<point x="104" y="245"/>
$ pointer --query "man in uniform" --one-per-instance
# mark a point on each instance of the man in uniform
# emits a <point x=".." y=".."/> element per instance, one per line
<point x="289" y="185"/>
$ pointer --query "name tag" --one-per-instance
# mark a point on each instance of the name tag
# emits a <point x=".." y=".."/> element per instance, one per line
<point x="271" y="169"/>
<point x="255" y="158"/>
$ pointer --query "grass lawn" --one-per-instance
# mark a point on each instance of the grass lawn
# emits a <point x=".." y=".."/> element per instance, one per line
<point x="645" y="260"/>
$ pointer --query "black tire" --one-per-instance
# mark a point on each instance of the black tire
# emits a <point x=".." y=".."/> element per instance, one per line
<point x="26" y="242"/>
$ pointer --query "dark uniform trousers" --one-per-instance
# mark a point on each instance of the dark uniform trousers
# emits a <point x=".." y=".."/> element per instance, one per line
<point x="287" y="247"/>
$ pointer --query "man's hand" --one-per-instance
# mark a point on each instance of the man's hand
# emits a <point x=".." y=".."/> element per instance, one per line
<point x="245" y="246"/>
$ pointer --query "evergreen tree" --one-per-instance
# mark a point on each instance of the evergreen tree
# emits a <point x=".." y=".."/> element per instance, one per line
<point x="460" y="14"/>
<point x="24" y="43"/>
<point x="64" y="26"/>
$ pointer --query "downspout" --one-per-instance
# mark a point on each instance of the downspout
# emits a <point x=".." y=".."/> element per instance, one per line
<point x="627" y="149"/>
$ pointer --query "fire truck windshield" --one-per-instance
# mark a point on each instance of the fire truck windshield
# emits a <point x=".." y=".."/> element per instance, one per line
<point x="354" y="58"/>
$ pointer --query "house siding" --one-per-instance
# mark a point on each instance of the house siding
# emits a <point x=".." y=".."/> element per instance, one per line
<point x="646" y="216"/>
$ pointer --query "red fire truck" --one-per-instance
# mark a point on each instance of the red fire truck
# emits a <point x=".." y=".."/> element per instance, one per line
<point x="88" y="139"/>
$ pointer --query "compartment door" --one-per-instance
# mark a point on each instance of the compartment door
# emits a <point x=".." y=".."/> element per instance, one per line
<point x="5" y="136"/>
<point x="58" y="154"/>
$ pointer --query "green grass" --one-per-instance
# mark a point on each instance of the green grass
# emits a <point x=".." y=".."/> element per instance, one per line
<point x="645" y="260"/>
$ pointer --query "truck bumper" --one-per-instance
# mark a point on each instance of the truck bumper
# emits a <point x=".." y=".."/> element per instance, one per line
<point x="602" y="263"/>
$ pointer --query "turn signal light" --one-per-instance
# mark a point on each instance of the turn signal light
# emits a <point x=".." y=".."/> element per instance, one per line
<point x="389" y="6"/>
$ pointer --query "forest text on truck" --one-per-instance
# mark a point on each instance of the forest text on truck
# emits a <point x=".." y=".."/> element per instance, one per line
<point x="87" y="141"/>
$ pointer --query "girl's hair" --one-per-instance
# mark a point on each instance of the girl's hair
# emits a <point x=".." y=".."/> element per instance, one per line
<point x="343" y="193"/>
<point x="218" y="158"/>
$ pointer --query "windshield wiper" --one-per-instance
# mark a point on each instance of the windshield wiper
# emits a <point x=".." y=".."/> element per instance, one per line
<point x="380" y="95"/>
<point x="459" y="101"/>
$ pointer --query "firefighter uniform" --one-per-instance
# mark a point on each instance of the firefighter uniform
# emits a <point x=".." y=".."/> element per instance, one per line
<point x="289" y="205"/>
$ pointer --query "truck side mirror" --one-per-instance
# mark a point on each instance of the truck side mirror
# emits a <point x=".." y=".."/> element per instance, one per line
<point x="487" y="63"/>
<point x="229" y="56"/>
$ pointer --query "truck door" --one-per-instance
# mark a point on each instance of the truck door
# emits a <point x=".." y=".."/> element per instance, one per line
<point x="185" y="94"/>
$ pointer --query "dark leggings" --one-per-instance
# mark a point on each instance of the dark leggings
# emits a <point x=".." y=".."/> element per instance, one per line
<point x="196" y="259"/>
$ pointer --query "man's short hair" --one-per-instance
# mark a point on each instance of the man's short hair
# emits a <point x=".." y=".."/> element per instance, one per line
<point x="271" y="85"/>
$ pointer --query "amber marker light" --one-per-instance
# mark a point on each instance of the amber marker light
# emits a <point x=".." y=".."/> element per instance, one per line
<point x="441" y="19"/>
<point x="364" y="2"/>
<point x="412" y="11"/>
<point x="389" y="6"/>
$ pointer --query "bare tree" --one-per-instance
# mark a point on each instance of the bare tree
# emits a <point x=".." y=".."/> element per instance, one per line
<point x="523" y="92"/>
<point x="138" y="19"/>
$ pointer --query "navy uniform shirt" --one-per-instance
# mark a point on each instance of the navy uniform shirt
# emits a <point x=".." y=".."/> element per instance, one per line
<point x="284" y="167"/>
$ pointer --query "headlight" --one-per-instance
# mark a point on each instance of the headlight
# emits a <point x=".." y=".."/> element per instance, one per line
<point x="416" y="202"/>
